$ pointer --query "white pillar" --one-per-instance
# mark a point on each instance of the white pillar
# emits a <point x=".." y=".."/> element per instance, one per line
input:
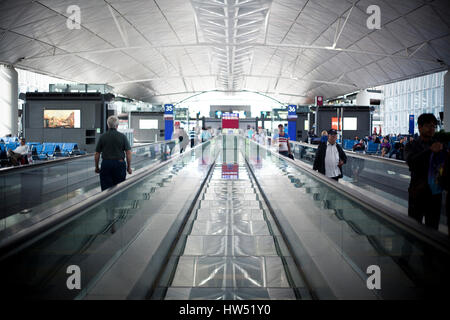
<point x="447" y="101"/>
<point x="9" y="95"/>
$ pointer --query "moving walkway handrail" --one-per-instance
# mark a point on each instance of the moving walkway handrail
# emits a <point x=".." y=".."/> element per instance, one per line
<point x="49" y="163"/>
<point x="19" y="237"/>
<point x="354" y="154"/>
<point x="396" y="217"/>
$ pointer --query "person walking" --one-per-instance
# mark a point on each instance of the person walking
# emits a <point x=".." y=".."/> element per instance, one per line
<point x="192" y="137"/>
<point x="281" y="139"/>
<point x="205" y="135"/>
<point x="425" y="158"/>
<point x="113" y="146"/>
<point x="259" y="136"/>
<point x="180" y="135"/>
<point x="249" y="132"/>
<point x="330" y="157"/>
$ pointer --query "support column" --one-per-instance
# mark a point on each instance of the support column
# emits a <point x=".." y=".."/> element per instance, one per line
<point x="447" y="101"/>
<point x="9" y="93"/>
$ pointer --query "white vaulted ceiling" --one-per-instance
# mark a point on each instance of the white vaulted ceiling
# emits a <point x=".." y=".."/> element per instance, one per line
<point x="166" y="50"/>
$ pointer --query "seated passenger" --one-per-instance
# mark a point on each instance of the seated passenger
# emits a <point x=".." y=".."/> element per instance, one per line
<point x="17" y="153"/>
<point x="398" y="149"/>
<point x="360" y="146"/>
<point x="385" y="146"/>
<point x="376" y="139"/>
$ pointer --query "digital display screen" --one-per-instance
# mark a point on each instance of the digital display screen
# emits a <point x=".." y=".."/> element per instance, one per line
<point x="350" y="123"/>
<point x="148" y="123"/>
<point x="62" y="119"/>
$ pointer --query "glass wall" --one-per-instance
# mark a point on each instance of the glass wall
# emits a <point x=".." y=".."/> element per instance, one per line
<point x="414" y="96"/>
<point x="30" y="81"/>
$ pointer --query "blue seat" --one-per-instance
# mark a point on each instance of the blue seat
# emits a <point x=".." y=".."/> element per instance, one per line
<point x="49" y="148"/>
<point x="67" y="149"/>
<point x="372" y="147"/>
<point x="77" y="151"/>
<point x="11" y="145"/>
<point x="348" y="144"/>
<point x="31" y="145"/>
<point x="44" y="151"/>
<point x="36" y="151"/>
<point x="10" y="139"/>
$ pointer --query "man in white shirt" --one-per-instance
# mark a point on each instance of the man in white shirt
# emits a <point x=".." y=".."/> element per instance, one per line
<point x="259" y="136"/>
<point x="18" y="152"/>
<point x="330" y="157"/>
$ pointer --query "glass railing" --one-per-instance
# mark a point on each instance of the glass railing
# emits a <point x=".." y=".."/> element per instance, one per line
<point x="97" y="236"/>
<point x="29" y="190"/>
<point x="383" y="177"/>
<point x="337" y="233"/>
<point x="387" y="178"/>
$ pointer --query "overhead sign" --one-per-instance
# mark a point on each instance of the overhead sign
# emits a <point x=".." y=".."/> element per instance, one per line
<point x="230" y="120"/>
<point x="168" y="112"/>
<point x="319" y="101"/>
<point x="168" y="121"/>
<point x="292" y="124"/>
<point x="292" y="112"/>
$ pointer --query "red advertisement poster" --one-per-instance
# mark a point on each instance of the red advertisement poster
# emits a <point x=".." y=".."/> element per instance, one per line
<point x="334" y="123"/>
<point x="230" y="121"/>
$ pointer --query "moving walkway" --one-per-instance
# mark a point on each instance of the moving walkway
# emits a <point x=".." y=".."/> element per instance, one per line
<point x="230" y="220"/>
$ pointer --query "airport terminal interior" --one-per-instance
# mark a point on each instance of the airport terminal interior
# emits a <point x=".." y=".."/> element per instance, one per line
<point x="275" y="149"/>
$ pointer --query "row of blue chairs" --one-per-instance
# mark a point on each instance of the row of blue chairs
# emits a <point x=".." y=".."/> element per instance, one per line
<point x="9" y="139"/>
<point x="43" y="151"/>
<point x="348" y="144"/>
<point x="371" y="147"/>
<point x="48" y="149"/>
